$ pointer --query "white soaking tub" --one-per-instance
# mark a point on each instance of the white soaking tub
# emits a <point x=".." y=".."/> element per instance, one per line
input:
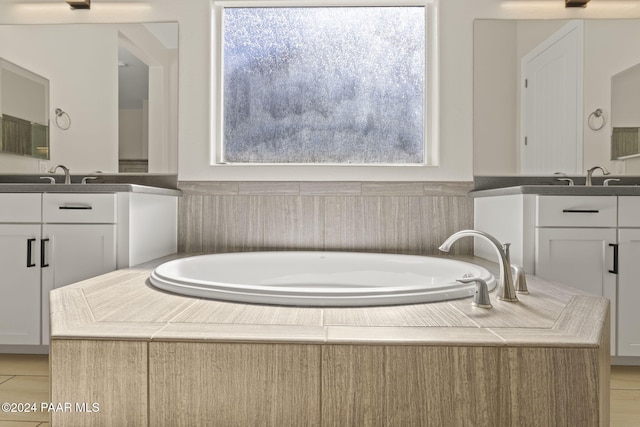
<point x="319" y="279"/>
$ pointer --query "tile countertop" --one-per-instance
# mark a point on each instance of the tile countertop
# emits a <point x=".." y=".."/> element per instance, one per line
<point x="122" y="305"/>
<point x="86" y="188"/>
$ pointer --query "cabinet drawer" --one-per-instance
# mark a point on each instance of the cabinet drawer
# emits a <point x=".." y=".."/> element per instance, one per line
<point x="577" y="211"/>
<point x="629" y="211"/>
<point x="79" y="208"/>
<point x="20" y="207"/>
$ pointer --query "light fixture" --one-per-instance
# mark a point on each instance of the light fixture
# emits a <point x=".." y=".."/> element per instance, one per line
<point x="576" y="3"/>
<point x="82" y="4"/>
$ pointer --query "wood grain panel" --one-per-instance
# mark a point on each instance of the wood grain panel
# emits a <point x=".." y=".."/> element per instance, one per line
<point x="409" y="385"/>
<point x="396" y="217"/>
<point x="237" y="384"/>
<point x="110" y="373"/>
<point x="190" y="217"/>
<point x="434" y="219"/>
<point x="550" y="387"/>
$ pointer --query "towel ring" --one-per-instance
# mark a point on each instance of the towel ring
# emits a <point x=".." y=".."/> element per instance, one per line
<point x="63" y="117"/>
<point x="599" y="114"/>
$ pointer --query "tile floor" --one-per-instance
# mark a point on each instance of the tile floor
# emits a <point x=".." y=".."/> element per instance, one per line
<point x="25" y="378"/>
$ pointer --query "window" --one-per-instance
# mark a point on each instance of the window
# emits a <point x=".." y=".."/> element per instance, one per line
<point x="323" y="85"/>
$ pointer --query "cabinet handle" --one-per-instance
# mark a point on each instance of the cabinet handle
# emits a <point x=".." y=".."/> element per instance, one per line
<point x="580" y="211"/>
<point x="76" y="207"/>
<point x="29" y="253"/>
<point x="43" y="257"/>
<point x="615" y="258"/>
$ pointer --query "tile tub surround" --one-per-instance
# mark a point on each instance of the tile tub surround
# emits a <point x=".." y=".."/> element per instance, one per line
<point x="163" y="359"/>
<point x="391" y="217"/>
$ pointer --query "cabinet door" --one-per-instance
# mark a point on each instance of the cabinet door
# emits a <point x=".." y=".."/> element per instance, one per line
<point x="582" y="258"/>
<point x="74" y="252"/>
<point x="629" y="293"/>
<point x="20" y="284"/>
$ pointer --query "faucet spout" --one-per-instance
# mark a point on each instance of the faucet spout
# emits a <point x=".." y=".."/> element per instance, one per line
<point x="67" y="175"/>
<point x="506" y="289"/>
<point x="592" y="170"/>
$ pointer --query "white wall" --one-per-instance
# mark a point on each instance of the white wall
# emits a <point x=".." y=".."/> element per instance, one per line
<point x="456" y="71"/>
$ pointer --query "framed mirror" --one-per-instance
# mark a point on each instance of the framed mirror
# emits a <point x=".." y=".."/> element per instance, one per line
<point x="113" y="94"/>
<point x="625" y="114"/>
<point x="24" y="111"/>
<point x="604" y="50"/>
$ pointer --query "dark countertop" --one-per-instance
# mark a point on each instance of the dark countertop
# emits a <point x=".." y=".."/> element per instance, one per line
<point x="560" y="190"/>
<point x="86" y="188"/>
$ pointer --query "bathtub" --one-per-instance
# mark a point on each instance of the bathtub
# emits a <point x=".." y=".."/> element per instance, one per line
<point x="319" y="279"/>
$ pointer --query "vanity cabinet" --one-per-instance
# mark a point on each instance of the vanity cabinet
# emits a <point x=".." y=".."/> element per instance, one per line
<point x="79" y="242"/>
<point x="48" y="241"/>
<point x="589" y="242"/>
<point x="19" y="283"/>
<point x="20" y="231"/>
<point x="629" y="276"/>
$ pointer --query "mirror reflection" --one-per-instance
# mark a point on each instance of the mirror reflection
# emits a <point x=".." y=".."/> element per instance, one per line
<point x="504" y="112"/>
<point x="24" y="111"/>
<point x="625" y="114"/>
<point x="112" y="94"/>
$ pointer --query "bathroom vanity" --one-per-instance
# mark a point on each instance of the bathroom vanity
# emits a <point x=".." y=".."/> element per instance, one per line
<point x="54" y="235"/>
<point x="587" y="237"/>
<point x="152" y="358"/>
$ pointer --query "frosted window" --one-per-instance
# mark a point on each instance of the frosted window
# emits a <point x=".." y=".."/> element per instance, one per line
<point x="324" y="85"/>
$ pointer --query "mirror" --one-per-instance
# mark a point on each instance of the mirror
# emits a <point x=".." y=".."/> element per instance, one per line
<point x="113" y="91"/>
<point x="500" y="45"/>
<point x="24" y="111"/>
<point x="625" y="114"/>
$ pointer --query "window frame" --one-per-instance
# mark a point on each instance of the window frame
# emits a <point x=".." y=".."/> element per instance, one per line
<point x="431" y="89"/>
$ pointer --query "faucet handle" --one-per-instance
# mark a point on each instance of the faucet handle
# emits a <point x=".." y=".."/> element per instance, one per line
<point x="87" y="178"/>
<point x="481" y="296"/>
<point x="607" y="181"/>
<point x="521" y="280"/>
<point x="51" y="179"/>
<point x="568" y="180"/>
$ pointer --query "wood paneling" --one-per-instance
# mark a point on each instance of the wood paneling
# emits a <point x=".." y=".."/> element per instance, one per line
<point x="198" y="384"/>
<point x="409" y="386"/>
<point x="112" y="374"/>
<point x="396" y="217"/>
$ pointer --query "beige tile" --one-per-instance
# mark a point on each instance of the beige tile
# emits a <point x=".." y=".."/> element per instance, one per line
<point x="204" y="311"/>
<point x="22" y="424"/>
<point x="25" y="389"/>
<point x="447" y="188"/>
<point x="190" y="223"/>
<point x="24" y="364"/>
<point x="275" y="188"/>
<point x="204" y="188"/>
<point x="392" y="188"/>
<point x="625" y="378"/>
<point x="331" y="188"/>
<point x="625" y="408"/>
<point x="4" y="378"/>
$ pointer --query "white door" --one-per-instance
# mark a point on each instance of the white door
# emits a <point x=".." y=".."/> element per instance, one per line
<point x="551" y="104"/>
<point x="20" y="284"/>
<point x="629" y="293"/>
<point x="74" y="252"/>
<point x="582" y="258"/>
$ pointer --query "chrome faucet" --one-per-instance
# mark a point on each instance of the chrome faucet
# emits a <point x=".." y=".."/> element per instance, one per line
<point x="67" y="175"/>
<point x="592" y="170"/>
<point x="506" y="290"/>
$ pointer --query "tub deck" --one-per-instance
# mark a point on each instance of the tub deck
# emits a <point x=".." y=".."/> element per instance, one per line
<point x="546" y="358"/>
